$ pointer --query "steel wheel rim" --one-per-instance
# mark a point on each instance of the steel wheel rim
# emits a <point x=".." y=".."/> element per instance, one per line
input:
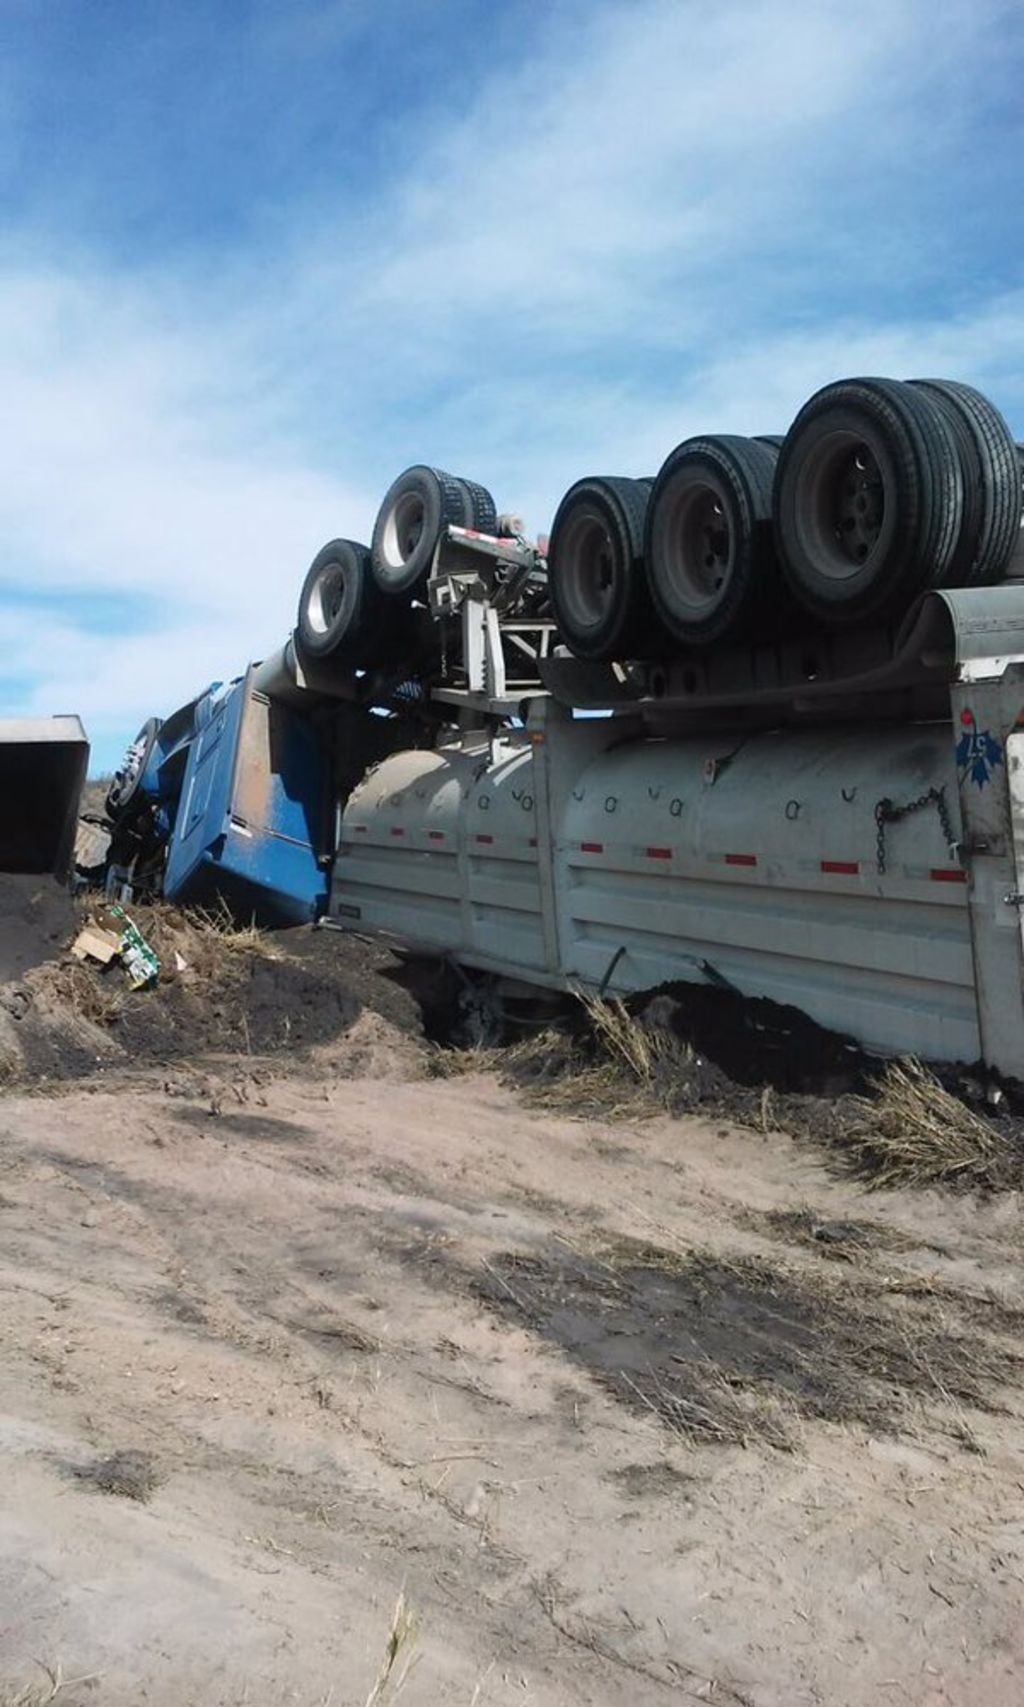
<point x="586" y="569"/>
<point x="698" y="546"/>
<point x="403" y="531"/>
<point x="841" y="501"/>
<point x="326" y="598"/>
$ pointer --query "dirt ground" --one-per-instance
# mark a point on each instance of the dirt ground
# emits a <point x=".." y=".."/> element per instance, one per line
<point x="626" y="1411"/>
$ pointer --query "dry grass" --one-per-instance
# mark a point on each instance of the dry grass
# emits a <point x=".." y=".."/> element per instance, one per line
<point x="617" y="1067"/>
<point x="728" y="1348"/>
<point x="399" y="1656"/>
<point x="220" y="923"/>
<point x="839" y="1240"/>
<point x="91" y="995"/>
<point x="622" y="1041"/>
<point x="721" y="1413"/>
<point x="912" y="1131"/>
<point x="130" y="1475"/>
<point x="907" y="1129"/>
<point x="455" y="1063"/>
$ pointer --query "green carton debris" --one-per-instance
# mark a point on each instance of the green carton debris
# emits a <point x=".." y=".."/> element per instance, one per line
<point x="140" y="961"/>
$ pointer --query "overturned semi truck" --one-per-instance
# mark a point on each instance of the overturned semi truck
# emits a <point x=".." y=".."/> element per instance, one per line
<point x="758" y="721"/>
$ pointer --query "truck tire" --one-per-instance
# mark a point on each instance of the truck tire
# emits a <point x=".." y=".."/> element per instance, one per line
<point x="774" y="441"/>
<point x="343" y="615"/>
<point x="417" y="508"/>
<point x="709" y="549"/>
<point x="596" y="583"/>
<point x="478" y="506"/>
<point x="128" y="780"/>
<point x="991" y="474"/>
<point x="868" y="500"/>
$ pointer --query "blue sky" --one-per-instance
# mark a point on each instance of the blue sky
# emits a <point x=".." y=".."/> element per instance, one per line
<point x="255" y="258"/>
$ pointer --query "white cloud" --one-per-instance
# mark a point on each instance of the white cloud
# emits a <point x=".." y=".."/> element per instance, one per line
<point x="624" y="179"/>
<point x="124" y="469"/>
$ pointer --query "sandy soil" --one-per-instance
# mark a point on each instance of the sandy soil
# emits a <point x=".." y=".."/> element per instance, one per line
<point x="390" y="1334"/>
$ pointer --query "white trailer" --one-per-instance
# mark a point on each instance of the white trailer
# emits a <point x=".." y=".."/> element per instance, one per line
<point x="850" y="844"/>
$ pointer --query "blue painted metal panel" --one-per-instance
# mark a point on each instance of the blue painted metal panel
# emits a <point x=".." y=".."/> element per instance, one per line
<point x="251" y="825"/>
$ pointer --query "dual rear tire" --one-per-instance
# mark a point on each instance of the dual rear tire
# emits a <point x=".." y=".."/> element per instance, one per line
<point x="637" y="568"/>
<point x="709" y="549"/>
<point x="343" y="614"/>
<point x="356" y="604"/>
<point x="881" y="490"/>
<point x="599" y="593"/>
<point x="885" y="489"/>
<point x="417" y="509"/>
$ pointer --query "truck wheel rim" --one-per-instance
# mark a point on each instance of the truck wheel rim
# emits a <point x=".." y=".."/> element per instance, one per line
<point x="326" y="599"/>
<point x="840" y="505"/>
<point x="403" y="531"/>
<point x="698" y="546"/>
<point x="586" y="570"/>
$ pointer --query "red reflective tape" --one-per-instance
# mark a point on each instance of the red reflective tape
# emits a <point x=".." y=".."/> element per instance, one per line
<point x="396" y="831"/>
<point x="948" y="874"/>
<point x="741" y="859"/>
<point x="841" y="867"/>
<point x="591" y="847"/>
<point x="658" y="853"/>
<point x="436" y="835"/>
<point x="485" y="838"/>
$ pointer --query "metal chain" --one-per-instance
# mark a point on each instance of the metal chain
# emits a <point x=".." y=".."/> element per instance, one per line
<point x="887" y="813"/>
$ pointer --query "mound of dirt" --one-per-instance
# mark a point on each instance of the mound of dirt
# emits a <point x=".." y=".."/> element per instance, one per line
<point x="753" y="1041"/>
<point x="37" y="919"/>
<point x="306" y="994"/>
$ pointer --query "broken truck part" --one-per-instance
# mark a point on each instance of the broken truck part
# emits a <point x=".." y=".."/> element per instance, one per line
<point x="43" y="761"/>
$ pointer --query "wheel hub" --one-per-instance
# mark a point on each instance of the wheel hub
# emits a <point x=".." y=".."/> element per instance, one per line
<point x="587" y="567"/>
<point x="705" y="543"/>
<point x="326" y="599"/>
<point x="859" y="505"/>
<point x="713" y="539"/>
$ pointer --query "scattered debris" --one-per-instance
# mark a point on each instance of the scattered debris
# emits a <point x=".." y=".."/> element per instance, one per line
<point x="98" y="942"/>
<point x="220" y="990"/>
<point x="914" y="1131"/>
<point x="707" y="1050"/>
<point x="841" y="1241"/>
<point x="94" y="943"/>
<point x="729" y="1349"/>
<point x="132" y="1475"/>
<point x="141" y="963"/>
